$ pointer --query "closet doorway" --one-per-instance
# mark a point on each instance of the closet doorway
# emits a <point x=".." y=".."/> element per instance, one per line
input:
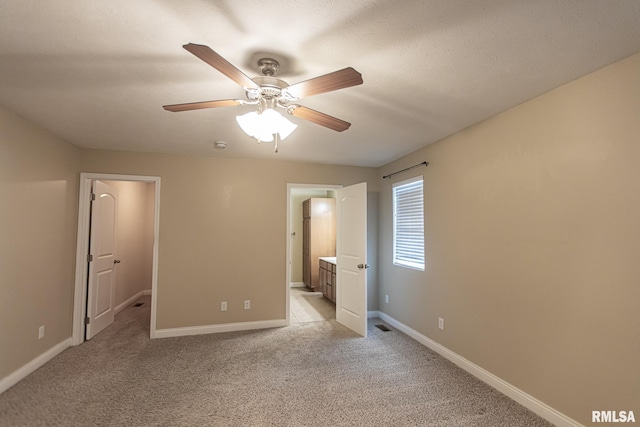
<point x="143" y="193"/>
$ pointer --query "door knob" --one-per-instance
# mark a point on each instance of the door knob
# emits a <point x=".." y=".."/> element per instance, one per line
<point x="363" y="266"/>
<point x="116" y="261"/>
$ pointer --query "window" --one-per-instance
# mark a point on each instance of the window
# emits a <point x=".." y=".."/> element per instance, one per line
<point x="408" y="224"/>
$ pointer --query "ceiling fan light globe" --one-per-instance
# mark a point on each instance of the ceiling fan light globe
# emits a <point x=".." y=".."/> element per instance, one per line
<point x="263" y="137"/>
<point x="264" y="125"/>
<point x="273" y="122"/>
<point x="285" y="127"/>
<point x="270" y="117"/>
<point x="247" y="122"/>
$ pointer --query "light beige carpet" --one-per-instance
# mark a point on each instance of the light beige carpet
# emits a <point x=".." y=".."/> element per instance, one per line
<point x="308" y="374"/>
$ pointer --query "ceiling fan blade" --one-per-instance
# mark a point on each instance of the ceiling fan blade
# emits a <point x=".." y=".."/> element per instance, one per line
<point x="200" y="105"/>
<point x="340" y="79"/>
<point x="318" y="118"/>
<point x="219" y="63"/>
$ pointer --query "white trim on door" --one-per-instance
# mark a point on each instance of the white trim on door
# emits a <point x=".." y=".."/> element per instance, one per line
<point x="82" y="249"/>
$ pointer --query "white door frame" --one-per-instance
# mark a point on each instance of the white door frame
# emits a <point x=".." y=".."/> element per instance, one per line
<point x="287" y="283"/>
<point x="82" y="248"/>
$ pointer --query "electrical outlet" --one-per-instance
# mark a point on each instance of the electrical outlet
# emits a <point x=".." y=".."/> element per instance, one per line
<point x="247" y="304"/>
<point x="223" y="306"/>
<point x="441" y="323"/>
<point x="41" y="332"/>
<point x="386" y="299"/>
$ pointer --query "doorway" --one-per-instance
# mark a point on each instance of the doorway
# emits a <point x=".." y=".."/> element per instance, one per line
<point x="350" y="264"/>
<point x="151" y="186"/>
<point x="303" y="304"/>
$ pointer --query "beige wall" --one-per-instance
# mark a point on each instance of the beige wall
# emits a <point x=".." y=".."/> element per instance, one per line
<point x="222" y="230"/>
<point x="39" y="196"/>
<point x="533" y="244"/>
<point x="134" y="238"/>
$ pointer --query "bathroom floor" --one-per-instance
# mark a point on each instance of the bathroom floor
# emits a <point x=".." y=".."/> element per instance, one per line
<point x="307" y="306"/>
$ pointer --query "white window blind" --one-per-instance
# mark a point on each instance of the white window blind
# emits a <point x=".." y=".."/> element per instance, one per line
<point x="408" y="223"/>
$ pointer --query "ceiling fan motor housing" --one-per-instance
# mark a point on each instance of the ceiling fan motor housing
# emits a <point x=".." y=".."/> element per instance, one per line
<point x="270" y="88"/>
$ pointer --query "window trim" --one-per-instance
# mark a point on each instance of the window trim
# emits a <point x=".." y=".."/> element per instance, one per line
<point x="406" y="263"/>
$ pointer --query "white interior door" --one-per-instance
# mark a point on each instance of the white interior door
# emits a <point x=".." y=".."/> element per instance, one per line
<point x="351" y="251"/>
<point x="102" y="280"/>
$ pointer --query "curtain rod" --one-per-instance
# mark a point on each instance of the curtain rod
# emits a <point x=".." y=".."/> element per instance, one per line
<point x="406" y="169"/>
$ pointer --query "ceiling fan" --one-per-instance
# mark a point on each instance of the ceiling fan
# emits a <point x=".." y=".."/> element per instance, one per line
<point x="269" y="93"/>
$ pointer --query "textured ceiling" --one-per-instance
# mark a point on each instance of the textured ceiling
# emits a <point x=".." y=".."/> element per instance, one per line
<point x="96" y="73"/>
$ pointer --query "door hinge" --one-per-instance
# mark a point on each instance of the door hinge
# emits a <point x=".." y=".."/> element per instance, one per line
<point x="87" y="320"/>
<point x="89" y="258"/>
<point x="93" y="197"/>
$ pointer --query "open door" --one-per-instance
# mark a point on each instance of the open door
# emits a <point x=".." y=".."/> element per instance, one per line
<point x="351" y="251"/>
<point x="101" y="286"/>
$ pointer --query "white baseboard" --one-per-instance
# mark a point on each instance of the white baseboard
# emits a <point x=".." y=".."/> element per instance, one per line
<point x="374" y="313"/>
<point x="131" y="300"/>
<point x="542" y="409"/>
<point x="297" y="285"/>
<point x="17" y="376"/>
<point x="213" y="329"/>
